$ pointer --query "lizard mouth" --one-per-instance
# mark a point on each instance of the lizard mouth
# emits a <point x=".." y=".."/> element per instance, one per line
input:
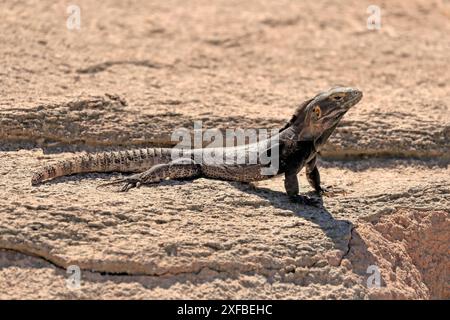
<point x="332" y="119"/>
<point x="356" y="97"/>
<point x="336" y="115"/>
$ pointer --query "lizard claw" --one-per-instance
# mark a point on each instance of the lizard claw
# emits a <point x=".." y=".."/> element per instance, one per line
<point x="133" y="181"/>
<point x="130" y="184"/>
<point x="305" y="200"/>
<point x="127" y="186"/>
<point x="330" y="191"/>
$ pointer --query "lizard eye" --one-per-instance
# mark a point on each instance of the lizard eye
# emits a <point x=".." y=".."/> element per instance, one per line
<point x="337" y="98"/>
<point x="317" y="111"/>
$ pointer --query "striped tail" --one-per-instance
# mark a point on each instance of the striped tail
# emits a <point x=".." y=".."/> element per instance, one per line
<point x="116" y="161"/>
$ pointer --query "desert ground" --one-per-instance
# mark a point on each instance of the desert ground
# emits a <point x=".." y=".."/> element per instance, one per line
<point x="134" y="71"/>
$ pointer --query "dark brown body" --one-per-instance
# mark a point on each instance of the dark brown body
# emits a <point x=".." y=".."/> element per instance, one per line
<point x="295" y="147"/>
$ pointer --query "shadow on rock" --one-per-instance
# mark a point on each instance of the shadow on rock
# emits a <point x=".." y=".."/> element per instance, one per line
<point x="341" y="232"/>
<point x="337" y="230"/>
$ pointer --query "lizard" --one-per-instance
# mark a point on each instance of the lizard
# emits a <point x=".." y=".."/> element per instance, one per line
<point x="296" y="146"/>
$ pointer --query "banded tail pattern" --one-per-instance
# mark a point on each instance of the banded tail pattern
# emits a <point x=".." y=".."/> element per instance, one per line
<point x="137" y="160"/>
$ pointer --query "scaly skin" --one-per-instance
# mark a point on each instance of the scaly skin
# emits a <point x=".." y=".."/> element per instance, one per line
<point x="298" y="144"/>
<point x="117" y="161"/>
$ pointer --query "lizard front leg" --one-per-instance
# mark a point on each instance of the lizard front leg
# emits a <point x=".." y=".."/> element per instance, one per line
<point x="292" y="189"/>
<point x="313" y="177"/>
<point x="182" y="168"/>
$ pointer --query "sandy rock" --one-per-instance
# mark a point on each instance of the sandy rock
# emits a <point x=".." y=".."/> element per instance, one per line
<point x="132" y="81"/>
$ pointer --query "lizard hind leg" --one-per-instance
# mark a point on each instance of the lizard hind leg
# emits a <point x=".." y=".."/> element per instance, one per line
<point x="182" y="168"/>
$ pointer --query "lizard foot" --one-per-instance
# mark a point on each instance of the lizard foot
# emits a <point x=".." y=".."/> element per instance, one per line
<point x="133" y="181"/>
<point x="330" y="191"/>
<point x="129" y="185"/>
<point x="305" y="200"/>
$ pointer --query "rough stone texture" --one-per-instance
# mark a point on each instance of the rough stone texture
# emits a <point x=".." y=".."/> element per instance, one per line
<point x="410" y="248"/>
<point x="207" y="238"/>
<point x="229" y="64"/>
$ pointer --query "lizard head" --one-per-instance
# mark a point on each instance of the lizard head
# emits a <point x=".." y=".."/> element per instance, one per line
<point x="317" y="118"/>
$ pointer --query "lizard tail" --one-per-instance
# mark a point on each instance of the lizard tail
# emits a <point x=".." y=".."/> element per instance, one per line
<point x="121" y="161"/>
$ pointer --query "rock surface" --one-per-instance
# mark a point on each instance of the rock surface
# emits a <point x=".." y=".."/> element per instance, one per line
<point x="132" y="80"/>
